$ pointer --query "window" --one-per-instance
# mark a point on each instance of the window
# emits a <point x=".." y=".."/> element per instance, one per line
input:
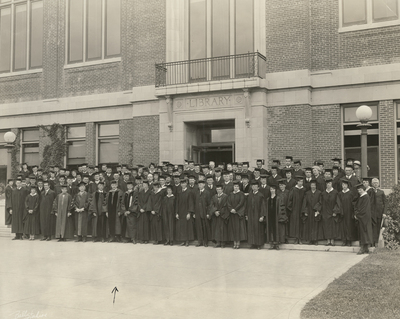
<point x="214" y="18"/>
<point x="21" y="35"/>
<point x="30" y="147"/>
<point x="364" y="14"/>
<point x="108" y="143"/>
<point x="76" y="145"/>
<point x="94" y="30"/>
<point x="352" y="137"/>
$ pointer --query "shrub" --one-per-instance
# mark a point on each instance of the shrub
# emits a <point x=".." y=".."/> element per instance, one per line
<point x="391" y="234"/>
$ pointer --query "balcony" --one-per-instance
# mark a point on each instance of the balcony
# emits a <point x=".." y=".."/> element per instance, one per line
<point x="240" y="66"/>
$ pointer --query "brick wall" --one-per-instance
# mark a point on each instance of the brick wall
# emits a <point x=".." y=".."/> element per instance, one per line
<point x="149" y="38"/>
<point x="91" y="143"/>
<point x="387" y="148"/>
<point x="287" y="35"/>
<point x="289" y="133"/>
<point x="369" y="47"/>
<point x="324" y="35"/>
<point x="326" y="133"/>
<point x="145" y="139"/>
<point x="125" y="141"/>
<point x="21" y="88"/>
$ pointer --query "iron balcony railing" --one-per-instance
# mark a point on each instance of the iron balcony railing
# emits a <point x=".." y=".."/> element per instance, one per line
<point x="238" y="66"/>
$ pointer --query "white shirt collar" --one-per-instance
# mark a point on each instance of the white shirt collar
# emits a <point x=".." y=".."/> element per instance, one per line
<point x="330" y="190"/>
<point x="363" y="194"/>
<point x="345" y="191"/>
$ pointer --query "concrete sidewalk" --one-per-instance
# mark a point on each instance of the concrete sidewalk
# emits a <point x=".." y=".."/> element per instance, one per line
<point x="75" y="280"/>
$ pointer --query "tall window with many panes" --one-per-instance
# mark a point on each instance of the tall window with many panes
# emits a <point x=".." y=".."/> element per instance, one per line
<point x="352" y="137"/>
<point x="30" y="146"/>
<point x="364" y="14"/>
<point x="220" y="28"/>
<point x="108" y="143"/>
<point x="76" y="145"/>
<point x="93" y="30"/>
<point x="21" y="35"/>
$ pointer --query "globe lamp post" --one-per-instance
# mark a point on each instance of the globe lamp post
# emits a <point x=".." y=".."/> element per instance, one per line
<point x="363" y="114"/>
<point x="9" y="138"/>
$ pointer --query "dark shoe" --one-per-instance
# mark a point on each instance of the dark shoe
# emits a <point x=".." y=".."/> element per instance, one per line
<point x="166" y="243"/>
<point x="217" y="245"/>
<point x="187" y="244"/>
<point x="360" y="252"/>
<point x="237" y="247"/>
<point x="145" y="242"/>
<point x="156" y="243"/>
<point x="60" y="240"/>
<point x="199" y="244"/>
<point x="258" y="247"/>
<point x="44" y="238"/>
<point x="366" y="251"/>
<point x="171" y="243"/>
<point x="277" y="247"/>
<point x="134" y="242"/>
<point x="102" y="240"/>
<point x="183" y="244"/>
<point x="84" y="239"/>
<point x="78" y="239"/>
<point x="205" y="245"/>
<point x="223" y="245"/>
<point x="48" y="239"/>
<point x="271" y="247"/>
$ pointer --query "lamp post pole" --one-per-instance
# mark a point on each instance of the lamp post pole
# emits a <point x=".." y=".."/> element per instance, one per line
<point x="364" y="148"/>
<point x="363" y="114"/>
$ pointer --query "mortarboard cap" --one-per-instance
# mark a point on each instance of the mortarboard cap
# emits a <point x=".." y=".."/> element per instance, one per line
<point x="357" y="163"/>
<point x="336" y="159"/>
<point x="297" y="161"/>
<point x="289" y="157"/>
<point x="361" y="185"/>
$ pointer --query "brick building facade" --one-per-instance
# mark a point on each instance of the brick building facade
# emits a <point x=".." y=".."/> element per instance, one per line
<point x="321" y="62"/>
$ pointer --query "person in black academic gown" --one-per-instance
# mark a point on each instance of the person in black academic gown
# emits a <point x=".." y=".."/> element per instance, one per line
<point x="236" y="224"/>
<point x="17" y="209"/>
<point x="362" y="211"/>
<point x="329" y="208"/>
<point x="255" y="215"/>
<point x="202" y="201"/>
<point x="47" y="219"/>
<point x="276" y="218"/>
<point x="310" y="220"/>
<point x="31" y="216"/>
<point x="97" y="210"/>
<point x="295" y="205"/>
<point x="184" y="215"/>
<point x="8" y="193"/>
<point x="168" y="216"/>
<point x="144" y="205"/>
<point x="219" y="213"/>
<point x="130" y="209"/>
<point x="155" y="217"/>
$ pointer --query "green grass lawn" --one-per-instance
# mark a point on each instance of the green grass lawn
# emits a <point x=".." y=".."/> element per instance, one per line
<point x="370" y="289"/>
